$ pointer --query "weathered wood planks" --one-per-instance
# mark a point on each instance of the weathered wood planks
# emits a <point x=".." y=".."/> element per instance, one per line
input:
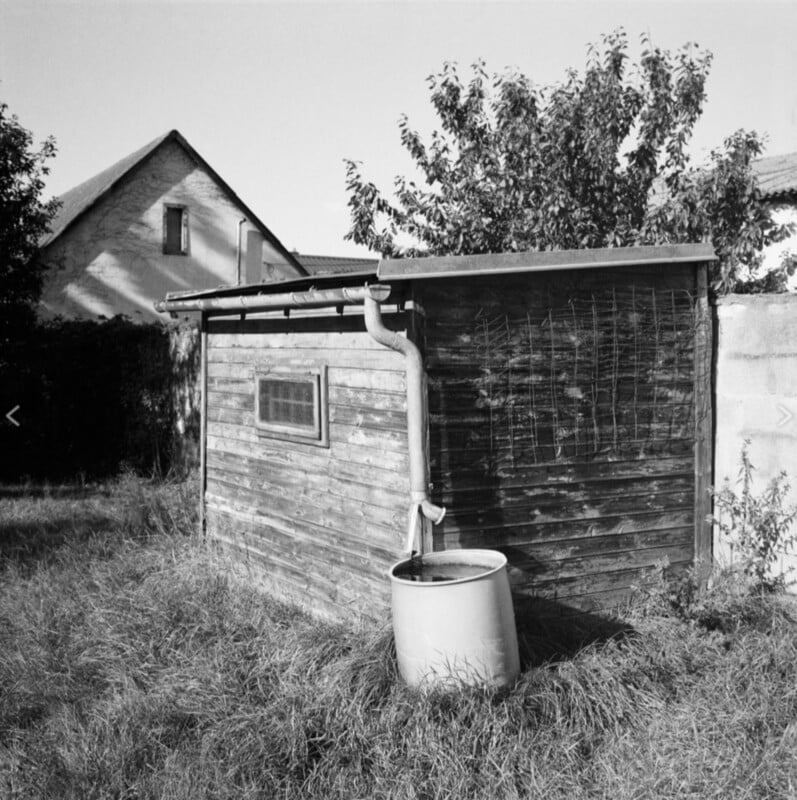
<point x="320" y="524"/>
<point x="562" y="423"/>
<point x="704" y="433"/>
<point x="331" y="587"/>
<point x="568" y="427"/>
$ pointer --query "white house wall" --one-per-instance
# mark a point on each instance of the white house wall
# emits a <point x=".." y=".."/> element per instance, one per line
<point x="774" y="254"/>
<point x="111" y="260"/>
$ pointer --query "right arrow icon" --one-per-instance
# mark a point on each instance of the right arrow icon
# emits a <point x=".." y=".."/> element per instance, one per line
<point x="784" y="416"/>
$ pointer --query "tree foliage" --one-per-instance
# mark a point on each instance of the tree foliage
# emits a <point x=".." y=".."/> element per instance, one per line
<point x="599" y="160"/>
<point x="24" y="219"/>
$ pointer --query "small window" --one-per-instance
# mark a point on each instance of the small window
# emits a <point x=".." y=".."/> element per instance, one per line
<point x="175" y="230"/>
<point x="292" y="405"/>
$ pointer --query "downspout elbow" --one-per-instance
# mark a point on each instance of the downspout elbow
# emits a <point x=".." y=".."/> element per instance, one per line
<point x="419" y="484"/>
<point x="432" y="512"/>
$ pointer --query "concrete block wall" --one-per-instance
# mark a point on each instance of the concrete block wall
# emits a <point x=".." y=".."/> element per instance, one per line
<point x="756" y="393"/>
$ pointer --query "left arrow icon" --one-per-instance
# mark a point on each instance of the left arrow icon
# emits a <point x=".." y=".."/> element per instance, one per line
<point x="10" y="416"/>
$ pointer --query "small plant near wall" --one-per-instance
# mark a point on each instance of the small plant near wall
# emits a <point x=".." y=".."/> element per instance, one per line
<point x="757" y="527"/>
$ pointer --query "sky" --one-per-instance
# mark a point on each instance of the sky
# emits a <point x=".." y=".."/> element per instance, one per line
<point x="275" y="95"/>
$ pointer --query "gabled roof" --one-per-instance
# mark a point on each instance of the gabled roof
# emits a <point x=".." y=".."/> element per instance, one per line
<point x="82" y="197"/>
<point x="334" y="265"/>
<point x="777" y="176"/>
<point x="78" y="200"/>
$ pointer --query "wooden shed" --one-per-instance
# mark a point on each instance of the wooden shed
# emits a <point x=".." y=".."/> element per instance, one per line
<point x="554" y="406"/>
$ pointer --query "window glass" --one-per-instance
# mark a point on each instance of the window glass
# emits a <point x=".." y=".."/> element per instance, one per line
<point x="287" y="402"/>
<point x="175" y="230"/>
<point x="292" y="405"/>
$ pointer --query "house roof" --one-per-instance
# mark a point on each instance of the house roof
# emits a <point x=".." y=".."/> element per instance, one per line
<point x="78" y="200"/>
<point x="334" y="265"/>
<point x="777" y="176"/>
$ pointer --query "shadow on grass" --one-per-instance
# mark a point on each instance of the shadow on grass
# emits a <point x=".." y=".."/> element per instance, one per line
<point x="36" y="520"/>
<point x="27" y="542"/>
<point x="551" y="631"/>
<point x="18" y="492"/>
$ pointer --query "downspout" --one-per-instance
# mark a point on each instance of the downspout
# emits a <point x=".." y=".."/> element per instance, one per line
<point x="203" y="419"/>
<point x="419" y="478"/>
<point x="238" y="280"/>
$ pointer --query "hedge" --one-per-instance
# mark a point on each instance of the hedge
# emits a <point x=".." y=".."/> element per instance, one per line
<point x="98" y="397"/>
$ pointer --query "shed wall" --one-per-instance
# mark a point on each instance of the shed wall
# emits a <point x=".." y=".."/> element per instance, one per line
<point x="319" y="525"/>
<point x="562" y="424"/>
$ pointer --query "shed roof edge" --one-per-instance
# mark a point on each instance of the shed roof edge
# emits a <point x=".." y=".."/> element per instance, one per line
<point x="536" y="261"/>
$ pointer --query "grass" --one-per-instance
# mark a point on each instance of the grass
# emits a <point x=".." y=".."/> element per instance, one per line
<point x="131" y="667"/>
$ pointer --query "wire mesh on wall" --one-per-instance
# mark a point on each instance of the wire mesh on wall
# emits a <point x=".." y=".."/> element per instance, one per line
<point x="606" y="375"/>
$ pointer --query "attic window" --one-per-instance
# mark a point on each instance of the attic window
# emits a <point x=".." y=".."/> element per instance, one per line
<point x="175" y="230"/>
<point x="292" y="405"/>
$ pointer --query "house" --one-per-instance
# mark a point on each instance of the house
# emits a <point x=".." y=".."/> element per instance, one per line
<point x="777" y="183"/>
<point x="554" y="406"/>
<point x="157" y="221"/>
<point x="777" y="177"/>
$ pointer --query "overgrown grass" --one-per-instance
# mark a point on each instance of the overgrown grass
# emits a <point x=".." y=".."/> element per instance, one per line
<point x="130" y="667"/>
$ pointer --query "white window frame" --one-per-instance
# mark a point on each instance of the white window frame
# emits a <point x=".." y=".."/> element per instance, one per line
<point x="317" y="378"/>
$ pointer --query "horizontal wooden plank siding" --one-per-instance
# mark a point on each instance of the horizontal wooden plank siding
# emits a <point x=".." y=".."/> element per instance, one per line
<point x="314" y="524"/>
<point x="562" y="418"/>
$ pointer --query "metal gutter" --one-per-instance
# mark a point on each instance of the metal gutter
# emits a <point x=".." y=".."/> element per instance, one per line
<point x="313" y="298"/>
<point x="278" y="287"/>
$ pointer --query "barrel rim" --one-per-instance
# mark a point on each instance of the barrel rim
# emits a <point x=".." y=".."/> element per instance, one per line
<point x="452" y="557"/>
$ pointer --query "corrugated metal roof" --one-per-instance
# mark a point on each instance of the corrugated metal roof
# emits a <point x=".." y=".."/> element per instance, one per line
<point x="777" y="176"/>
<point x="278" y="287"/>
<point x="322" y="271"/>
<point x="81" y="198"/>
<point x="335" y="265"/>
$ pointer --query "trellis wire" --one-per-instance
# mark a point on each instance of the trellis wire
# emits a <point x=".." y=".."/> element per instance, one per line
<point x="632" y="363"/>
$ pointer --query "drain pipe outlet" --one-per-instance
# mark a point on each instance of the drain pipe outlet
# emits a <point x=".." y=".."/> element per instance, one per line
<point x="419" y="480"/>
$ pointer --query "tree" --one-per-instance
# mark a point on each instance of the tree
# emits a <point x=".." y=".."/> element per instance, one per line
<point x="721" y="203"/>
<point x="24" y="219"/>
<point x="599" y="160"/>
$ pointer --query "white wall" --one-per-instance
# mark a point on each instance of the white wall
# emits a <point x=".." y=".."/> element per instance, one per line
<point x="756" y="391"/>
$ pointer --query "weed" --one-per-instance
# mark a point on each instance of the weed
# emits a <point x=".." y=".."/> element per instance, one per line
<point x="758" y="527"/>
